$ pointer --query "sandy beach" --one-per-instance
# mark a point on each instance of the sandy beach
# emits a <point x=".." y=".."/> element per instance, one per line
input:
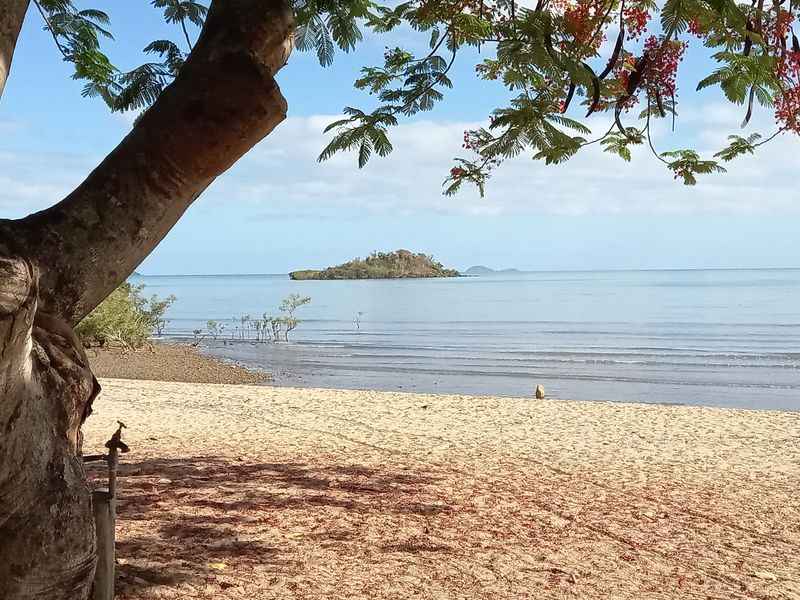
<point x="235" y="491"/>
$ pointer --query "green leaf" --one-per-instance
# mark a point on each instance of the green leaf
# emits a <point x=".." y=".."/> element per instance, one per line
<point x="364" y="152"/>
<point x="738" y="146"/>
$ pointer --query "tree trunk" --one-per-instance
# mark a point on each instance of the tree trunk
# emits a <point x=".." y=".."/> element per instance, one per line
<point x="46" y="528"/>
<point x="12" y="13"/>
<point x="57" y="265"/>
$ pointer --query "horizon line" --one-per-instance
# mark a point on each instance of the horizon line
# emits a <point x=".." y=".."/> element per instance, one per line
<point x="501" y="271"/>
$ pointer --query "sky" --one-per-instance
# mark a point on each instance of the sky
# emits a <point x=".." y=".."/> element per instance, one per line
<point x="278" y="209"/>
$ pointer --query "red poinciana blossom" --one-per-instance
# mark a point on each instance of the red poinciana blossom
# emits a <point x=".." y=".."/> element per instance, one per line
<point x="582" y="20"/>
<point x="777" y="29"/>
<point x="696" y="28"/>
<point x="787" y="109"/>
<point x="662" y="64"/>
<point x="787" y="104"/>
<point x="635" y="19"/>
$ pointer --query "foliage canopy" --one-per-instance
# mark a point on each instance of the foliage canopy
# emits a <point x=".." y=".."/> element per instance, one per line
<point x="549" y="55"/>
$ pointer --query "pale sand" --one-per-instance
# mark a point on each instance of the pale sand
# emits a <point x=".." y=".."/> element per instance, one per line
<point x="258" y="492"/>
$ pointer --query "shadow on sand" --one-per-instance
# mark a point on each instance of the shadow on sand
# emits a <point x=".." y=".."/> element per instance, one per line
<point x="186" y="521"/>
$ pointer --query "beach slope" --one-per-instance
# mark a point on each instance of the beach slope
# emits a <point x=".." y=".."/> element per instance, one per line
<point x="234" y="492"/>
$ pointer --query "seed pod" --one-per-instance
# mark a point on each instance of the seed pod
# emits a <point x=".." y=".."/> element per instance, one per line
<point x="748" y="41"/>
<point x="595" y="90"/>
<point x="568" y="99"/>
<point x="660" y="105"/>
<point x="673" y="110"/>
<point x="548" y="45"/>
<point x="617" y="112"/>
<point x="749" y="107"/>
<point x="636" y="75"/>
<point x="612" y="62"/>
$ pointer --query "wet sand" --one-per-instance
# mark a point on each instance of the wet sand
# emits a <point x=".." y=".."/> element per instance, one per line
<point x="251" y="492"/>
<point x="170" y="362"/>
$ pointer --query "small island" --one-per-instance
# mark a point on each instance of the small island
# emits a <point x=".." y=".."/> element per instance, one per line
<point x="400" y="264"/>
<point x="481" y="270"/>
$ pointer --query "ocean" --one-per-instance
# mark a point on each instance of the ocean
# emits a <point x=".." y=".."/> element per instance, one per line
<point x="727" y="338"/>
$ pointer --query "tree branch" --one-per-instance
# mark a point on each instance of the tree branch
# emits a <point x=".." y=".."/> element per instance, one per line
<point x="12" y="14"/>
<point x="223" y="102"/>
<point x="52" y="31"/>
<point x="186" y="33"/>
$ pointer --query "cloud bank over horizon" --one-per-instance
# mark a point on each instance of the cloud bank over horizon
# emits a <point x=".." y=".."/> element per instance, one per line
<point x="281" y="178"/>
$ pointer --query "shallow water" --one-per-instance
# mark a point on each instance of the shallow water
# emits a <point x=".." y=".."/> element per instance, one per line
<point x="708" y="337"/>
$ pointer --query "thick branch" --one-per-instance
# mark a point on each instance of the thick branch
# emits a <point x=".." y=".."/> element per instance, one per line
<point x="12" y="14"/>
<point x="223" y="102"/>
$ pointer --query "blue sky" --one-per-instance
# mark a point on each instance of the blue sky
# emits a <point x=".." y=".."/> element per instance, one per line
<point x="279" y="210"/>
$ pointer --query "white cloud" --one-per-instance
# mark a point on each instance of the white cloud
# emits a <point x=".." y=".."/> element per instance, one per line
<point x="282" y="176"/>
<point x="31" y="181"/>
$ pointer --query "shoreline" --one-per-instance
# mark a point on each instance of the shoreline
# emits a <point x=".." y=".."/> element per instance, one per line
<point x="162" y="361"/>
<point x="219" y="363"/>
<point x="234" y="491"/>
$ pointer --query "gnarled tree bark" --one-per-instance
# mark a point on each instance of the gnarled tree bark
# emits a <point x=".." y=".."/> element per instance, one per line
<point x="57" y="265"/>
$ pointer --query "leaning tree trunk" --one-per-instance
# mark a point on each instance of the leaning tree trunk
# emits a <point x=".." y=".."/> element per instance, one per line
<point x="46" y="528"/>
<point x="57" y="265"/>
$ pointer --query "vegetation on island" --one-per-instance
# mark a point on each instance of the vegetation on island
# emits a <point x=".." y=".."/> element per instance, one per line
<point x="400" y="264"/>
<point x="126" y="318"/>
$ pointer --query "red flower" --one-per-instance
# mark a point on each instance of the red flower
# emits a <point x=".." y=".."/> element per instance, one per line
<point x="635" y="21"/>
<point x="662" y="64"/>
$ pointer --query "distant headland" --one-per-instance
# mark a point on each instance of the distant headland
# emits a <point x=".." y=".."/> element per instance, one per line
<point x="481" y="270"/>
<point x="400" y="264"/>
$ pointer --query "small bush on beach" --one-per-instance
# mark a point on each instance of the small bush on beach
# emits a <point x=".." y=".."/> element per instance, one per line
<point x="126" y="318"/>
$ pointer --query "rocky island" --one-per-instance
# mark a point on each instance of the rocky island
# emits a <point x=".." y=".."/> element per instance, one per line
<point x="400" y="264"/>
<point x="481" y="270"/>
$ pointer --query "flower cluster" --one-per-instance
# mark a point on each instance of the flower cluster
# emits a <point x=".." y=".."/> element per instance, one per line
<point x="476" y="141"/>
<point x="457" y="172"/>
<point x="635" y="19"/>
<point x="788" y="70"/>
<point x="663" y="57"/>
<point x="787" y="104"/>
<point x="787" y="110"/>
<point x="582" y="21"/>
<point x="778" y="26"/>
<point x="696" y="28"/>
<point x="472" y="141"/>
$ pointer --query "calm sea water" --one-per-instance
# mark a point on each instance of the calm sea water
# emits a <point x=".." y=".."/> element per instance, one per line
<point x="710" y="337"/>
